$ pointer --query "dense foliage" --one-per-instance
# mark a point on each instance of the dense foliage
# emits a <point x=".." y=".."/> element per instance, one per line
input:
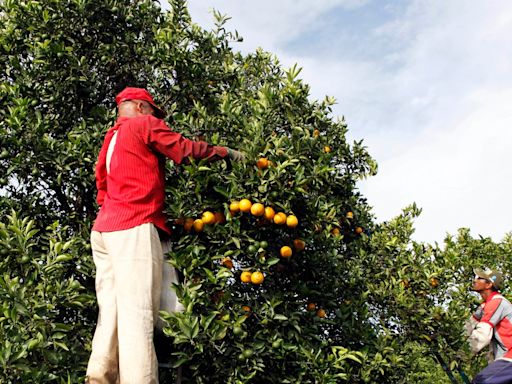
<point x="355" y="302"/>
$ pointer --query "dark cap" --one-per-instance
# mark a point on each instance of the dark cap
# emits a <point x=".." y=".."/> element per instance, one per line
<point x="493" y="276"/>
<point x="131" y="93"/>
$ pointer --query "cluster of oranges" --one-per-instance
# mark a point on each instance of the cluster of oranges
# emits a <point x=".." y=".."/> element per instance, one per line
<point x="197" y="225"/>
<point x="255" y="278"/>
<point x="267" y="213"/>
<point x="316" y="133"/>
<point x="349" y="215"/>
<point x="320" y="312"/>
<point x="287" y="251"/>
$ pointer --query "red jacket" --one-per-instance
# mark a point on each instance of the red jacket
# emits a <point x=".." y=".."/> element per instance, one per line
<point x="133" y="192"/>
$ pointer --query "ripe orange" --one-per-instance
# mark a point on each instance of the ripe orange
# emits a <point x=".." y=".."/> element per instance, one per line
<point x="245" y="205"/>
<point x="285" y="251"/>
<point x="208" y="217"/>
<point x="350" y="215"/>
<point x="311" y="307"/>
<point x="198" y="225"/>
<point x="321" y="313"/>
<point x="316" y="133"/>
<point x="262" y="163"/>
<point x="219" y="218"/>
<point x="299" y="245"/>
<point x="257" y="277"/>
<point x="434" y="282"/>
<point x="189" y="222"/>
<point x="359" y="230"/>
<point x="246" y="308"/>
<point x="269" y="213"/>
<point x="258" y="209"/>
<point x="234" y="207"/>
<point x="227" y="262"/>
<point x="245" y="277"/>
<point x="335" y="231"/>
<point x="327" y="149"/>
<point x="280" y="218"/>
<point x="292" y="221"/>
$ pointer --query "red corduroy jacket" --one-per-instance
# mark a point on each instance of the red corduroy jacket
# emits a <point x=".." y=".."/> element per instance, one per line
<point x="133" y="192"/>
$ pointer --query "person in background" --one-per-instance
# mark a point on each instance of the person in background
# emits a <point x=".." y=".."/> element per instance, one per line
<point x="491" y="324"/>
<point x="126" y="236"/>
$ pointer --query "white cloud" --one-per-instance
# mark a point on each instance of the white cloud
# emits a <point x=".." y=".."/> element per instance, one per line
<point x="267" y="23"/>
<point x="460" y="177"/>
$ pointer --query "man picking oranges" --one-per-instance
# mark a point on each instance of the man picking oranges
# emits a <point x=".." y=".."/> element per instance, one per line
<point x="126" y="237"/>
<point x="491" y="324"/>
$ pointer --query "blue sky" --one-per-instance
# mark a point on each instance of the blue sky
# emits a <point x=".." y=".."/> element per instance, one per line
<point x="426" y="83"/>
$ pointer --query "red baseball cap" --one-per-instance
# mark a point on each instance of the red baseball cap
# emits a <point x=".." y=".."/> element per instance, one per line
<point x="131" y="93"/>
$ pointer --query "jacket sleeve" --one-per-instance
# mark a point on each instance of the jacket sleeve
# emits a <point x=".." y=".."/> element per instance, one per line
<point x="176" y="147"/>
<point x="482" y="333"/>
<point x="480" y="337"/>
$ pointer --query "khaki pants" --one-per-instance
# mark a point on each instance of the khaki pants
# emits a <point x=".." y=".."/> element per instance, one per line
<point x="129" y="268"/>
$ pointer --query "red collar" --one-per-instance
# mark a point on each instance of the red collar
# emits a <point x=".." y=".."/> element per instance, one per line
<point x="490" y="297"/>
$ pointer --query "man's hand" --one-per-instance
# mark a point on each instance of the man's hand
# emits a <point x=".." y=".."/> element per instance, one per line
<point x="236" y="155"/>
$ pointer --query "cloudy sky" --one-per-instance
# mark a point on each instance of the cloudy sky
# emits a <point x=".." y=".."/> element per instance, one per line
<point x="427" y="84"/>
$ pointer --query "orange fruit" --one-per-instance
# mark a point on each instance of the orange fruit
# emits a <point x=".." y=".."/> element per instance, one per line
<point x="359" y="230"/>
<point x="299" y="244"/>
<point x="321" y="313"/>
<point x="285" y="251"/>
<point x="292" y="221"/>
<point x="227" y="262"/>
<point x="257" y="277"/>
<point x="208" y="217"/>
<point x="257" y="209"/>
<point x="189" y="223"/>
<point x="219" y="217"/>
<point x="316" y="133"/>
<point x="434" y="282"/>
<point x="246" y="308"/>
<point x="311" y="307"/>
<point x="198" y="225"/>
<point x="245" y="277"/>
<point x="280" y="218"/>
<point x="335" y="231"/>
<point x="327" y="149"/>
<point x="245" y="205"/>
<point x="269" y="213"/>
<point x="262" y="163"/>
<point x="234" y="207"/>
<point x="350" y="215"/>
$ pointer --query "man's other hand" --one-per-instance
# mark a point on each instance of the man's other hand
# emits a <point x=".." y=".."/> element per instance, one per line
<point x="236" y="155"/>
